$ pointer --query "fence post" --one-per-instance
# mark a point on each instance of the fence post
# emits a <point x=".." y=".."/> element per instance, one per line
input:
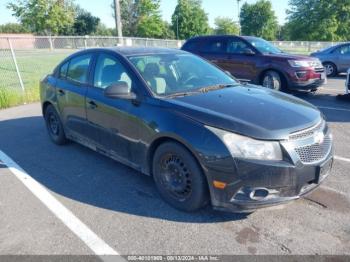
<point x="16" y="65"/>
<point x="51" y="44"/>
<point x="85" y="41"/>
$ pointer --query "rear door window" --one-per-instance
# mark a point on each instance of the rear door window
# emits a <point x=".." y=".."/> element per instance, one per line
<point x="191" y="46"/>
<point x="63" y="71"/>
<point x="214" y="46"/>
<point x="344" y="50"/>
<point x="236" y="46"/>
<point x="78" y="70"/>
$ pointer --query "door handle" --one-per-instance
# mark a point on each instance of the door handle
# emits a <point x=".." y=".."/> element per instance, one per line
<point x="61" y="92"/>
<point x="92" y="104"/>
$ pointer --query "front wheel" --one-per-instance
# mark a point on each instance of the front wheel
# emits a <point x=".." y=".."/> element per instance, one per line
<point x="272" y="80"/>
<point x="178" y="177"/>
<point x="54" y="126"/>
<point x="331" y="69"/>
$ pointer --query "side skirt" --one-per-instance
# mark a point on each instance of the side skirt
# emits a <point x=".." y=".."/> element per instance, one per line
<point x="97" y="148"/>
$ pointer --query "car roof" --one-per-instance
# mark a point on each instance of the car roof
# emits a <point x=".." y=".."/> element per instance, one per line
<point x="134" y="51"/>
<point x="210" y="37"/>
<point x="198" y="38"/>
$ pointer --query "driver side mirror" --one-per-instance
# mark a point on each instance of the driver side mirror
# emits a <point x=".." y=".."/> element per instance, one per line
<point x="119" y="90"/>
<point x="248" y="51"/>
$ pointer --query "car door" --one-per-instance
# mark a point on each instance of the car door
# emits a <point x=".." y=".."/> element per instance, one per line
<point x="343" y="58"/>
<point x="214" y="50"/>
<point x="113" y="122"/>
<point x="241" y="59"/>
<point x="71" y="88"/>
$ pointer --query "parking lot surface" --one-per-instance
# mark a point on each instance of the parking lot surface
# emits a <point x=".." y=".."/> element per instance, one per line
<point x="89" y="204"/>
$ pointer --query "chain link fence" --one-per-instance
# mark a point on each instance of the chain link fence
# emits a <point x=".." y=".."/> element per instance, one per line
<point x="302" y="47"/>
<point x="24" y="60"/>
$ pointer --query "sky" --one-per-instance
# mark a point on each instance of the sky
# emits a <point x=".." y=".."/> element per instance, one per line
<point x="214" y="8"/>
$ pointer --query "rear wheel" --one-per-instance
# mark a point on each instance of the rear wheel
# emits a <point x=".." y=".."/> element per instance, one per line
<point x="272" y="80"/>
<point x="331" y="69"/>
<point x="178" y="178"/>
<point x="54" y="126"/>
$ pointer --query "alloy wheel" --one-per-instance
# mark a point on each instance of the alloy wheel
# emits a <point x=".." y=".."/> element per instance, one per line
<point x="329" y="69"/>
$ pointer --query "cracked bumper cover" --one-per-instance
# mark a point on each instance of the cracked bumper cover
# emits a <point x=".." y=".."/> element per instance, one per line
<point x="285" y="182"/>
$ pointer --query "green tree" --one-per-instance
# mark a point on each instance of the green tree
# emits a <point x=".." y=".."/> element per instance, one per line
<point x="259" y="20"/>
<point x="44" y="16"/>
<point x="168" y="32"/>
<point x="142" y="18"/>
<point x="103" y="30"/>
<point x="318" y="20"/>
<point x="150" y="23"/>
<point x="85" y="23"/>
<point x="189" y="19"/>
<point x="225" y="26"/>
<point x="129" y="16"/>
<point x="13" y="28"/>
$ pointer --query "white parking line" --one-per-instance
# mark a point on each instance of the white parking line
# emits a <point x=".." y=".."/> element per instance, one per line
<point x="96" y="244"/>
<point x="342" y="158"/>
<point x="334" y="108"/>
<point x="332" y="90"/>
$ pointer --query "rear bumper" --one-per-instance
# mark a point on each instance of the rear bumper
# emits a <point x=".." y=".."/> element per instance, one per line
<point x="284" y="182"/>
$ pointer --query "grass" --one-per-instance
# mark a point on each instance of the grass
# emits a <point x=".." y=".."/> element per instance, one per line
<point x="33" y="66"/>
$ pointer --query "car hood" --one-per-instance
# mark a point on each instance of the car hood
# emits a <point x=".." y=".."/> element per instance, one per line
<point x="248" y="110"/>
<point x="290" y="56"/>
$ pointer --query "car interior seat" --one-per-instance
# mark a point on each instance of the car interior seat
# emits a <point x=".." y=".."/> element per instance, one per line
<point x="154" y="80"/>
<point x="110" y="74"/>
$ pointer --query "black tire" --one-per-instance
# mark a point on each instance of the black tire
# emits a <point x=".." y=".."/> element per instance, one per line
<point x="331" y="69"/>
<point x="54" y="126"/>
<point x="178" y="177"/>
<point x="272" y="79"/>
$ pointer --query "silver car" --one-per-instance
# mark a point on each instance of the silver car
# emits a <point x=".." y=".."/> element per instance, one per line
<point x="335" y="59"/>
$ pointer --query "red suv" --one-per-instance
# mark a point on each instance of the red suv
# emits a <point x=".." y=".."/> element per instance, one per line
<point x="255" y="60"/>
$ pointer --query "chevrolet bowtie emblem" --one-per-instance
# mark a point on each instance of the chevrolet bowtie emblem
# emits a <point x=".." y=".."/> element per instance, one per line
<point x="319" y="138"/>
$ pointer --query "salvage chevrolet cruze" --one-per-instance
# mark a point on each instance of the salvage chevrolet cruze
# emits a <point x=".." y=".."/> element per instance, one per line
<point x="202" y="135"/>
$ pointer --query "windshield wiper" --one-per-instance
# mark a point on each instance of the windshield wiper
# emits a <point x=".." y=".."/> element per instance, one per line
<point x="214" y="87"/>
<point x="200" y="90"/>
<point x="182" y="94"/>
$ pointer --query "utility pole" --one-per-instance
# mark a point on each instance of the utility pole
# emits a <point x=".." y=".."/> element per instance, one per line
<point x="239" y="17"/>
<point x="118" y="21"/>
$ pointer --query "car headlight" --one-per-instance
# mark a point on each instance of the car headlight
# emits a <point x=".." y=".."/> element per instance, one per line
<point x="304" y="63"/>
<point x="249" y="148"/>
<point x="299" y="63"/>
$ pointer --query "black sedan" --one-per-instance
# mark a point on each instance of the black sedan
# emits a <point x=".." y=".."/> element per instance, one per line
<point x="202" y="135"/>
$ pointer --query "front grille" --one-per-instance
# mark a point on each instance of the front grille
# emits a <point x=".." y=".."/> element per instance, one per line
<point x="313" y="144"/>
<point x="315" y="152"/>
<point x="319" y="70"/>
<point x="308" y="132"/>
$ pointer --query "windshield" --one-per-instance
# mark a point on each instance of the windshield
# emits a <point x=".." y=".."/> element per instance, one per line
<point x="264" y="46"/>
<point x="326" y="49"/>
<point x="168" y="74"/>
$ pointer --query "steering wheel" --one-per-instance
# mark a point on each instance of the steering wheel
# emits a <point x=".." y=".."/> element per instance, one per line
<point x="190" y="78"/>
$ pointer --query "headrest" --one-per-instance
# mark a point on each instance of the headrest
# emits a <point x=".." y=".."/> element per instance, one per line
<point x="151" y="70"/>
